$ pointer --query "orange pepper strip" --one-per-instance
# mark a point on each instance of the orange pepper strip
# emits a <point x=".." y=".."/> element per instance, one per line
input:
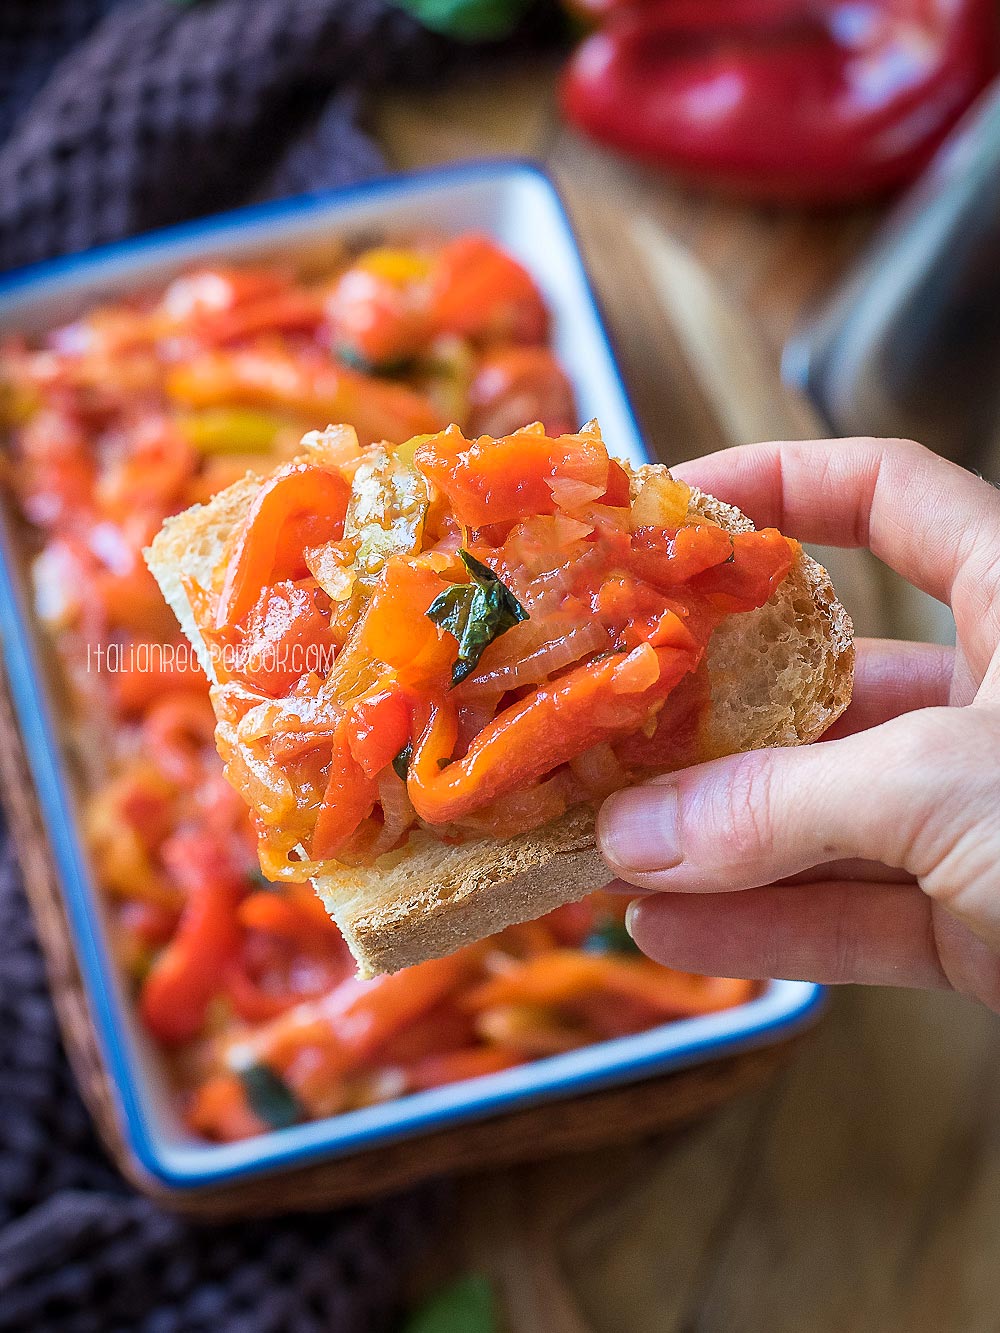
<point x="350" y="1024"/>
<point x="270" y="913"/>
<point x="320" y="391"/>
<point x="386" y="1004"/>
<point x="299" y="505"/>
<point x="396" y="630"/>
<point x="308" y="903"/>
<point x="295" y="913"/>
<point x="593" y="703"/>
<point x="567" y="974"/>
<point x="220" y="1111"/>
<point x="434" y="1071"/>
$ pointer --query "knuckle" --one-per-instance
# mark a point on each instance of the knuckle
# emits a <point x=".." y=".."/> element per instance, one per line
<point x="954" y="843"/>
<point x="742" y="820"/>
<point x="968" y="964"/>
<point x="900" y="444"/>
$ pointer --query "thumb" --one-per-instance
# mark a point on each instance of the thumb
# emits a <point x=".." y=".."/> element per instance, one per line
<point x="906" y="793"/>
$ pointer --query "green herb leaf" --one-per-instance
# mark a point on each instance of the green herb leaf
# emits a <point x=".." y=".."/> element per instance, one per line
<point x="476" y="613"/>
<point x="259" y="882"/>
<point x="465" y="1306"/>
<point x="352" y="358"/>
<point x="402" y="761"/>
<point x="469" y="20"/>
<point x="610" y="936"/>
<point x="270" y="1097"/>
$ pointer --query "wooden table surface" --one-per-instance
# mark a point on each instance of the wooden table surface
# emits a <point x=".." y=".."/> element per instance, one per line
<point x="861" y="1189"/>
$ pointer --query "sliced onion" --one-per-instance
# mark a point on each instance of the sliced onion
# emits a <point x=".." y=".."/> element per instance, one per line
<point x="551" y="655"/>
<point x="374" y="837"/>
<point x="331" y="568"/>
<point x="571" y="495"/>
<point x="398" y="813"/>
<point x="599" y="770"/>
<point x="521" y="811"/>
<point x="660" y="503"/>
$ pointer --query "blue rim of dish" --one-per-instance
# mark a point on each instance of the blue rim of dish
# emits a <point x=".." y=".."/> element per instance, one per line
<point x="783" y="1008"/>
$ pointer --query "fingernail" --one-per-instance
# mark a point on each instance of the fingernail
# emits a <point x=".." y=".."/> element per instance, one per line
<point x="630" y="912"/>
<point x="637" y="828"/>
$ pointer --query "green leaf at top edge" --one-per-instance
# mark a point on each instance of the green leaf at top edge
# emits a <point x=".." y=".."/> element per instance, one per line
<point x="469" y="20"/>
<point x="466" y="1305"/>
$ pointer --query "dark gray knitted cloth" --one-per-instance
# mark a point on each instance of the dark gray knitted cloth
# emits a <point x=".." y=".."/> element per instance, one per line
<point x="119" y="117"/>
<point x="80" y="1252"/>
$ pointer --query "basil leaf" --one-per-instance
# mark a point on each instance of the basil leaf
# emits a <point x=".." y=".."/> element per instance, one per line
<point x="469" y="20"/>
<point x="270" y="1097"/>
<point x="465" y="1306"/>
<point x="610" y="936"/>
<point x="476" y="613"/>
<point x="402" y="761"/>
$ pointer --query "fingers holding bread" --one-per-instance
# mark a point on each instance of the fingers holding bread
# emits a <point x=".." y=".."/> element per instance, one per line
<point x="772" y="668"/>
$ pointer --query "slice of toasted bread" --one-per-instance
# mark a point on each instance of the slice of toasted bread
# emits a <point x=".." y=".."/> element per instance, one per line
<point x="778" y="676"/>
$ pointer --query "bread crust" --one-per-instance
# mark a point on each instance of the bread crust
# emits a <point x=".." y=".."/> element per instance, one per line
<point x="779" y="676"/>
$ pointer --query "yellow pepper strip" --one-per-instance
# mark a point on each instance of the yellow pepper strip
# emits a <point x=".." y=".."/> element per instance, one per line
<point x="231" y="430"/>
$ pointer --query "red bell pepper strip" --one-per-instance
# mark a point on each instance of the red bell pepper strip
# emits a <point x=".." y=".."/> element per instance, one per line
<point x="189" y="972"/>
<point x="480" y="291"/>
<point x="301" y="505"/>
<point x="349" y="797"/>
<point x="592" y="703"/>
<point x="791" y="100"/>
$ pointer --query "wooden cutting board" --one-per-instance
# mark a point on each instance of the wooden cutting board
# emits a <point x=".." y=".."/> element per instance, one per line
<point x="860" y="1189"/>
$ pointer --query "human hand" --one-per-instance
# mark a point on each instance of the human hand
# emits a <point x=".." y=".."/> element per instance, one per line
<point x="873" y="856"/>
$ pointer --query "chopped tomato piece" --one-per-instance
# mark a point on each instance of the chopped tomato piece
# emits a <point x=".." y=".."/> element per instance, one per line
<point x="619" y="487"/>
<point x="517" y="384"/>
<point x="668" y="559"/>
<point x="760" y="561"/>
<point x="500" y="481"/>
<point x="377" y="309"/>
